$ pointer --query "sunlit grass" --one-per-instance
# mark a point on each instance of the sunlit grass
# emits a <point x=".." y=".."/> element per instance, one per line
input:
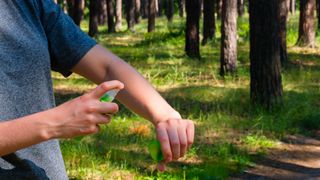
<point x="230" y="132"/>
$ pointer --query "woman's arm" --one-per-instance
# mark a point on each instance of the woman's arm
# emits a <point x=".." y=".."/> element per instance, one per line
<point x="174" y="133"/>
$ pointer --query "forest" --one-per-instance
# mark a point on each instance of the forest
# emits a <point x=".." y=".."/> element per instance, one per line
<point x="245" y="71"/>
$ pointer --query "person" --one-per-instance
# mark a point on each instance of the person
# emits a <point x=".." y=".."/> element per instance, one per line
<point x="37" y="37"/>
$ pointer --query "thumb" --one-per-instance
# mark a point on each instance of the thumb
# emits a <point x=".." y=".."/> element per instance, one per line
<point x="100" y="90"/>
<point x="161" y="166"/>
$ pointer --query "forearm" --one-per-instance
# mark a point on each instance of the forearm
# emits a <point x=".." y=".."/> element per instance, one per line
<point x="23" y="132"/>
<point x="138" y="95"/>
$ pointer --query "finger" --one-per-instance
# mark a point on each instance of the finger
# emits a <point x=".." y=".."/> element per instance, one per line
<point x="100" y="90"/>
<point x="104" y="108"/>
<point x="174" y="142"/>
<point x="161" y="167"/>
<point x="103" y="118"/>
<point x="182" y="132"/>
<point x="190" y="133"/>
<point x="162" y="136"/>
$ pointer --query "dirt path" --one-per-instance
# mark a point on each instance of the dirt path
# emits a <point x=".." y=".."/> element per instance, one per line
<point x="297" y="157"/>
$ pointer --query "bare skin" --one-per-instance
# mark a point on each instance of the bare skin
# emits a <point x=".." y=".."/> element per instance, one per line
<point x="83" y="115"/>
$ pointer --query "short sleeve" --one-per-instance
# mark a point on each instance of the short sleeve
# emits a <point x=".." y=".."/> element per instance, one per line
<point x="67" y="42"/>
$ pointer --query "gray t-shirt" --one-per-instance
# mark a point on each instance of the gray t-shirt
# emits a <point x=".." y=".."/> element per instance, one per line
<point x="35" y="37"/>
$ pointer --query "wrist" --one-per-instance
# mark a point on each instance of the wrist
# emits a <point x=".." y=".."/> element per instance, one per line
<point x="172" y="114"/>
<point x="47" y="126"/>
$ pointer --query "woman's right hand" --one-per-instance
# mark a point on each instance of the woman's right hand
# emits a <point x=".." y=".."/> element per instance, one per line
<point x="82" y="115"/>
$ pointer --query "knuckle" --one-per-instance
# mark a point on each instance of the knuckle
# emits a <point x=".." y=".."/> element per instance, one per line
<point x="175" y="143"/>
<point x="91" y="109"/>
<point x="183" y="144"/>
<point x="163" y="139"/>
<point x="90" y="119"/>
<point x="190" y="142"/>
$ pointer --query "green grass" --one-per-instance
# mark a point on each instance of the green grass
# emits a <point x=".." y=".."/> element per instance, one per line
<point x="230" y="132"/>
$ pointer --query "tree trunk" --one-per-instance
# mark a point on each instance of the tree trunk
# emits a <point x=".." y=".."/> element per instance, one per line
<point x="293" y="7"/>
<point x="79" y="6"/>
<point x="160" y="8"/>
<point x="283" y="14"/>
<point x="170" y="10"/>
<point x="152" y="15"/>
<point x="102" y="12"/>
<point x="193" y="9"/>
<point x="318" y="13"/>
<point x="110" y="11"/>
<point x="182" y="7"/>
<point x="70" y="4"/>
<point x="265" y="68"/>
<point x="130" y="10"/>
<point x="118" y="14"/>
<point x="209" y="21"/>
<point x="144" y="8"/>
<point x="93" y="19"/>
<point x="219" y="8"/>
<point x="228" y="57"/>
<point x="306" y="24"/>
<point x="240" y="7"/>
<point x="137" y="11"/>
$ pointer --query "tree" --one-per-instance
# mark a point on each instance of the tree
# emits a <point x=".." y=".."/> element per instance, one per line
<point x="219" y="8"/>
<point x="144" y="8"/>
<point x="182" y="7"/>
<point x="240" y="7"/>
<point x="265" y="68"/>
<point x="93" y="19"/>
<point x="118" y="14"/>
<point x="193" y="9"/>
<point x="306" y="24"/>
<point x="160" y="7"/>
<point x="318" y="13"/>
<point x="170" y="10"/>
<point x="228" y="57"/>
<point x="292" y="6"/>
<point x="110" y="11"/>
<point x="282" y="15"/>
<point x="137" y="11"/>
<point x="102" y="12"/>
<point x="130" y="10"/>
<point x="152" y="15"/>
<point x="209" y="22"/>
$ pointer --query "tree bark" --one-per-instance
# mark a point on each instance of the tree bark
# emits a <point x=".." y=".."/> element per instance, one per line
<point x="152" y="15"/>
<point x="102" y="12"/>
<point x="282" y="15"/>
<point x="293" y="7"/>
<point x="209" y="21"/>
<point x="160" y="8"/>
<point x="265" y="68"/>
<point x="240" y="7"/>
<point x="144" y="8"/>
<point x="118" y="14"/>
<point x="170" y="10"/>
<point x="219" y="8"/>
<point x="228" y="57"/>
<point x="110" y="11"/>
<point x="93" y="19"/>
<point x="193" y="9"/>
<point x="130" y="10"/>
<point x="78" y="9"/>
<point x="306" y="24"/>
<point x="137" y="11"/>
<point x="182" y="7"/>
<point x="318" y="13"/>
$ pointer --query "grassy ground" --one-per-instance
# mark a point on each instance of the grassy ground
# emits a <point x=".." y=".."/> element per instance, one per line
<point x="230" y="133"/>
